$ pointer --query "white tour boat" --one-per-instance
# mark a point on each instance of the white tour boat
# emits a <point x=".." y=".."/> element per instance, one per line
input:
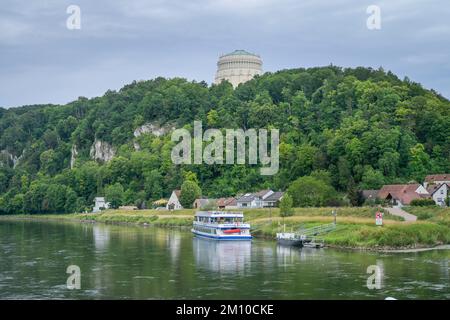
<point x="221" y="225"/>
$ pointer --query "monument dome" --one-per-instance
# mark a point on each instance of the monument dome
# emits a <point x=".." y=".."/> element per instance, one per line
<point x="237" y="67"/>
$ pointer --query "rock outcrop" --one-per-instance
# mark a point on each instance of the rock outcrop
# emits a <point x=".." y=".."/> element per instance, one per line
<point x="73" y="156"/>
<point x="8" y="159"/>
<point x="102" y="150"/>
<point x="151" y="128"/>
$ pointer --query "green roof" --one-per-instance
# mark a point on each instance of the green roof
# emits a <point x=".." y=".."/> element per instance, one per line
<point x="240" y="52"/>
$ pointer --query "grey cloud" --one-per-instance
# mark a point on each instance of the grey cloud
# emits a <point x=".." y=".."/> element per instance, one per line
<point x="43" y="62"/>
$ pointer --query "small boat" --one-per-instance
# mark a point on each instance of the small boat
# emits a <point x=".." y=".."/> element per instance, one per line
<point x="290" y="239"/>
<point x="306" y="237"/>
<point x="221" y="225"/>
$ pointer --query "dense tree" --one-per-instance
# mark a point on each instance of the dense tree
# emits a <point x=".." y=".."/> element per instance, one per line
<point x="336" y="125"/>
<point x="286" y="204"/>
<point x="189" y="192"/>
<point x="419" y="163"/>
<point x="114" y="194"/>
<point x="372" y="179"/>
<point x="310" y="192"/>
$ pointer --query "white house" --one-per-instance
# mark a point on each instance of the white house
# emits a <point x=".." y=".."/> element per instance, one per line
<point x="174" y="201"/>
<point x="400" y="195"/>
<point x="273" y="199"/>
<point x="100" y="204"/>
<point x="439" y="193"/>
<point x="437" y="179"/>
<point x="253" y="200"/>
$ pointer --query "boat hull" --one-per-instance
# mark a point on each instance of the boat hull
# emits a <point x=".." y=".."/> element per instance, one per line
<point x="225" y="237"/>
<point x="290" y="242"/>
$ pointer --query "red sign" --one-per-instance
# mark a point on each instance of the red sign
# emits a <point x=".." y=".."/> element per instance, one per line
<point x="379" y="218"/>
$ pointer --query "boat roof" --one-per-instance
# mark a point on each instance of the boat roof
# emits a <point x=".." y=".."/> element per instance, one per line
<point x="229" y="214"/>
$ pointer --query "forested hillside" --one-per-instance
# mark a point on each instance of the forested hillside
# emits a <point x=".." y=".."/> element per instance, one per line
<point x="351" y="128"/>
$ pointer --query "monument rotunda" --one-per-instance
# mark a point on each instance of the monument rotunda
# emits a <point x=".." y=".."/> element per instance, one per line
<point x="237" y="67"/>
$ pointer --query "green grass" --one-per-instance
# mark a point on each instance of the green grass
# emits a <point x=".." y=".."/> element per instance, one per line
<point x="425" y="213"/>
<point x="408" y="235"/>
<point x="436" y="214"/>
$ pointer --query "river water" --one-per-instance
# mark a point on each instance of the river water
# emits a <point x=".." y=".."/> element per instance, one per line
<point x="130" y="262"/>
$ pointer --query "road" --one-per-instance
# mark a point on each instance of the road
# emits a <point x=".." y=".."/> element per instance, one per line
<point x="401" y="213"/>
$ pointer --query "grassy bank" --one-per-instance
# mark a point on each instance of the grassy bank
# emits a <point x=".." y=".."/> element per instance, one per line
<point x="355" y="226"/>
<point x="432" y="214"/>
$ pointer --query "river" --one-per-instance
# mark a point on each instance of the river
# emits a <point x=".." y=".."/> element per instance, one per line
<point x="131" y="262"/>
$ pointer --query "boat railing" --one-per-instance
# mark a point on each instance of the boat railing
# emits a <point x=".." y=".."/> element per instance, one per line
<point x="225" y="224"/>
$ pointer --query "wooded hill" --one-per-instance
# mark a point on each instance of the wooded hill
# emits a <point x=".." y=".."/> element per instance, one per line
<point x="348" y="128"/>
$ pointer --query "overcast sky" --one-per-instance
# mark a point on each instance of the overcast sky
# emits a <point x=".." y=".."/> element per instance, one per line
<point x="42" y="61"/>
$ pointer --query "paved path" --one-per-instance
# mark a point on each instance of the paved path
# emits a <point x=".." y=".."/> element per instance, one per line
<point x="401" y="213"/>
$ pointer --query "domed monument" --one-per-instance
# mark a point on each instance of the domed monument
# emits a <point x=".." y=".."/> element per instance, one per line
<point x="237" y="67"/>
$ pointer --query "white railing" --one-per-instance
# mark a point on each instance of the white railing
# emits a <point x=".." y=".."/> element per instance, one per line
<point x="223" y="225"/>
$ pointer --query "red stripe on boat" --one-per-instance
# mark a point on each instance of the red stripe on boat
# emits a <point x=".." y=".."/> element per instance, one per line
<point x="232" y="231"/>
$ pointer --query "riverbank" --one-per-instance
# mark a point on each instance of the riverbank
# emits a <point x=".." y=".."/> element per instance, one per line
<point x="355" y="226"/>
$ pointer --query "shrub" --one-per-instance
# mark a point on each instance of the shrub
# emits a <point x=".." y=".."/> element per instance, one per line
<point x="189" y="192"/>
<point x="423" y="202"/>
<point x="286" y="206"/>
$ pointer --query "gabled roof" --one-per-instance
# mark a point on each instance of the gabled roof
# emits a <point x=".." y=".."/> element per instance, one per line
<point x="438" y="177"/>
<point x="274" y="196"/>
<point x="435" y="187"/>
<point x="246" y="198"/>
<point x="249" y="197"/>
<point x="405" y="193"/>
<point x="222" y="202"/>
<point x="261" y="193"/>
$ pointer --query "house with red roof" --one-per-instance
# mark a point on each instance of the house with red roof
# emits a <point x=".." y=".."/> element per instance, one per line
<point x="227" y="203"/>
<point x="439" y="193"/>
<point x="437" y="179"/>
<point x="438" y="186"/>
<point x="400" y="195"/>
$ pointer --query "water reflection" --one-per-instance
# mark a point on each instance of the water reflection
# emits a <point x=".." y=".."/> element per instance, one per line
<point x="380" y="265"/>
<point x="173" y="242"/>
<point x="288" y="255"/>
<point x="445" y="269"/>
<point x="222" y="256"/>
<point x="101" y="237"/>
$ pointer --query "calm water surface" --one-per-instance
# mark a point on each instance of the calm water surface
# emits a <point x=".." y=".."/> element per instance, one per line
<point x="119" y="262"/>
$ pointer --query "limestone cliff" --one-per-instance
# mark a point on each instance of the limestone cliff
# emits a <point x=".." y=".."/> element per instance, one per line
<point x="102" y="150"/>
<point x="73" y="156"/>
<point x="8" y="159"/>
